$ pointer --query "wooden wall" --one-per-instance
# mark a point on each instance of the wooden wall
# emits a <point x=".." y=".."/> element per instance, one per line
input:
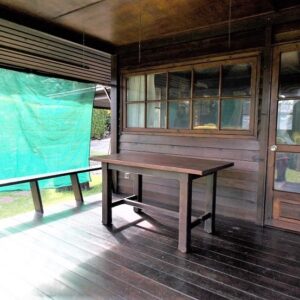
<point x="238" y="193"/>
<point x="237" y="187"/>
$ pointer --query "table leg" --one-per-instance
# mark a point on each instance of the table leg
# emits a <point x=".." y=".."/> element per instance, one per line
<point x="210" y="198"/>
<point x="185" y="207"/>
<point x="106" y="194"/>
<point x="138" y="190"/>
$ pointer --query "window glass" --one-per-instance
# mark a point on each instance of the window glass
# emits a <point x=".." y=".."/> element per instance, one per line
<point x="216" y="95"/>
<point x="236" y="80"/>
<point x="156" y="114"/>
<point x="157" y="86"/>
<point x="289" y="78"/>
<point x="179" y="114"/>
<point x="288" y="122"/>
<point x="205" y="114"/>
<point x="136" y="88"/>
<point x="206" y="82"/>
<point x="287" y="172"/>
<point x="235" y="114"/>
<point x="180" y="85"/>
<point x="135" y="115"/>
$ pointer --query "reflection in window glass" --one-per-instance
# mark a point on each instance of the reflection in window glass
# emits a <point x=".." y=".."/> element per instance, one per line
<point x="206" y="82"/>
<point x="287" y="172"/>
<point x="179" y="113"/>
<point x="180" y="85"/>
<point x="288" y="122"/>
<point x="156" y="115"/>
<point x="205" y="114"/>
<point x="235" y="114"/>
<point x="136" y="88"/>
<point x="289" y="78"/>
<point x="157" y="86"/>
<point x="135" y="115"/>
<point x="236" y="80"/>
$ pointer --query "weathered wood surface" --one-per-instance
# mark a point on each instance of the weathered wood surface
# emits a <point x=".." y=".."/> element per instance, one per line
<point x="184" y="170"/>
<point x="169" y="163"/>
<point x="33" y="180"/>
<point x="69" y="254"/>
<point x="237" y="186"/>
<point x="17" y="180"/>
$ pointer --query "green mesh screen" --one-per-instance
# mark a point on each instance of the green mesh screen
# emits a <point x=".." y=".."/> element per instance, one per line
<point x="45" y="126"/>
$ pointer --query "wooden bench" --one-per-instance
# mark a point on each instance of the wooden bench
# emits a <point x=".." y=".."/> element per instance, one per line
<point x="34" y="185"/>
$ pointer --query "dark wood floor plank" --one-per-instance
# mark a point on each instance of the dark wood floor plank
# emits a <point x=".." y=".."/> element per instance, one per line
<point x="67" y="255"/>
<point x="137" y="258"/>
<point x="39" y="258"/>
<point x="69" y="251"/>
<point x="156" y="251"/>
<point x="290" y="256"/>
<point x="280" y="259"/>
<point x="116" y="253"/>
<point x="290" y="246"/>
<point x="131" y="253"/>
<point x="266" y="232"/>
<point x="243" y="257"/>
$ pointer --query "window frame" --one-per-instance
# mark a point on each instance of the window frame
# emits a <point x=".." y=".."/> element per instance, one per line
<point x="252" y="59"/>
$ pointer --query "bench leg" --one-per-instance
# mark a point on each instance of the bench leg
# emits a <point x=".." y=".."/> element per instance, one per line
<point x="210" y="198"/>
<point x="36" y="196"/>
<point x="185" y="207"/>
<point x="138" y="190"/>
<point x="106" y="195"/>
<point x="76" y="188"/>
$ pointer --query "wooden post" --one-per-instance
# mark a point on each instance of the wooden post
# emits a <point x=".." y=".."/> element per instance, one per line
<point x="210" y="198"/>
<point x="36" y="196"/>
<point x="264" y="202"/>
<point x="106" y="194"/>
<point x="76" y="188"/>
<point x="114" y="107"/>
<point x="138" y="190"/>
<point x="185" y="207"/>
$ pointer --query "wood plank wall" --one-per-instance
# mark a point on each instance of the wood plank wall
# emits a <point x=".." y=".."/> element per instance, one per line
<point x="33" y="50"/>
<point x="237" y="187"/>
<point x="238" y="193"/>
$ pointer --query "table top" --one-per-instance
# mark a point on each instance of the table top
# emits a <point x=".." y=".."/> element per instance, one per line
<point x="165" y="162"/>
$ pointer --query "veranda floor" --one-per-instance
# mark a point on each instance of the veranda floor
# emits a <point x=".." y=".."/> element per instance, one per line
<point x="69" y="254"/>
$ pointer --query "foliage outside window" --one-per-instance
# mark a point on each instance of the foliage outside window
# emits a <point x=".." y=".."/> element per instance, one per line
<point x="100" y="123"/>
<point x="216" y="97"/>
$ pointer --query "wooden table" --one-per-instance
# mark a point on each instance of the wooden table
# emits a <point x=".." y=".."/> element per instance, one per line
<point x="183" y="169"/>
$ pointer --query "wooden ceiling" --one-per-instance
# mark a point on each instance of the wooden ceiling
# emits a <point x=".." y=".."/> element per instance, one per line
<point x="122" y="22"/>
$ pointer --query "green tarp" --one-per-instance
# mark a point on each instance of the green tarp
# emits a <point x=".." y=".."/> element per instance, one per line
<point x="45" y="126"/>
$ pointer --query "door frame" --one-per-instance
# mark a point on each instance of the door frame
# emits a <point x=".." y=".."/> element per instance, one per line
<point x="272" y="205"/>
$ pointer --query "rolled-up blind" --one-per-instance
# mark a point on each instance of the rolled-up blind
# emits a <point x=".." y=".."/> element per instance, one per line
<point x="27" y="48"/>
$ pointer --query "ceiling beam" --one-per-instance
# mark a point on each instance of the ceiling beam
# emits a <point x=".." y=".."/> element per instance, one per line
<point x="238" y="25"/>
<point x="55" y="29"/>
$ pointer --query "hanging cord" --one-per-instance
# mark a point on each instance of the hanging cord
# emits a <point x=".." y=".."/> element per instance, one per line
<point x="229" y="24"/>
<point x="140" y="33"/>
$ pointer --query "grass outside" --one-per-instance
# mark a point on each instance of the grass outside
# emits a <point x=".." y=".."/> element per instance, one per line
<point x="292" y="176"/>
<point x="17" y="202"/>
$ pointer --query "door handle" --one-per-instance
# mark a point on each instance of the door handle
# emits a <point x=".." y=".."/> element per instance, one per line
<point x="273" y="148"/>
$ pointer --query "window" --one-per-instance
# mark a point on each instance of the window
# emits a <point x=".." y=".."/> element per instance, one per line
<point x="217" y="97"/>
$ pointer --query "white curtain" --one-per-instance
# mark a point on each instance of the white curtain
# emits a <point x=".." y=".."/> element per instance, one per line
<point x="136" y="88"/>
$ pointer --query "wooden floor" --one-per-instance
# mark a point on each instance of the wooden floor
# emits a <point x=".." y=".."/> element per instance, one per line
<point x="68" y="254"/>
